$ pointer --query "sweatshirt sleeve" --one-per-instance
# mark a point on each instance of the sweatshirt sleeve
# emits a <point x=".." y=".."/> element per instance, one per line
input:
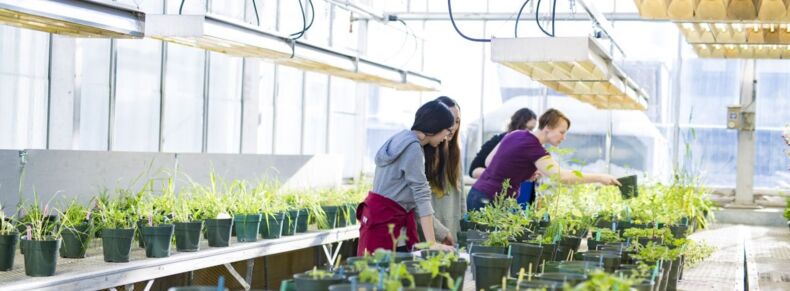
<point x="440" y="231"/>
<point x="414" y="174"/>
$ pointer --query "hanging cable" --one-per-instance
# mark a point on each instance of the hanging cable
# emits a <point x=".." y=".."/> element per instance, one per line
<point x="450" y="10"/>
<point x="553" y="17"/>
<point x="255" y="7"/>
<point x="299" y="35"/>
<point x="181" y="8"/>
<point x="519" y="16"/>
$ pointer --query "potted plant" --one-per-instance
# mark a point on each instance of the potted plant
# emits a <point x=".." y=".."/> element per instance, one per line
<point x="318" y="280"/>
<point x="645" y="236"/>
<point x="331" y="201"/>
<point x="496" y="242"/>
<point x="246" y="213"/>
<point x="489" y="269"/>
<point x="602" y="236"/>
<point x="213" y="209"/>
<point x="187" y="225"/>
<point x="8" y="240"/>
<point x="273" y="217"/>
<point x="157" y="232"/>
<point x="41" y="242"/>
<point x="787" y="212"/>
<point x="77" y="230"/>
<point x="118" y="229"/>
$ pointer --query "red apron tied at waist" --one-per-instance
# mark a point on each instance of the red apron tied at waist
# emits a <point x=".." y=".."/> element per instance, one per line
<point x="374" y="215"/>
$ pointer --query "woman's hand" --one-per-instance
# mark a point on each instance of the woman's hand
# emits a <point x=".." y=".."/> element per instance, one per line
<point x="449" y="240"/>
<point x="608" y="180"/>
<point x="442" y="247"/>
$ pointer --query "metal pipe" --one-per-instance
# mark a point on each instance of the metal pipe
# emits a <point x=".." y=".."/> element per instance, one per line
<point x="502" y="16"/>
<point x="359" y="8"/>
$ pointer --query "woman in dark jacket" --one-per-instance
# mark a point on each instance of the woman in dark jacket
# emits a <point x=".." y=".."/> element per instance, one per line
<point x="522" y="119"/>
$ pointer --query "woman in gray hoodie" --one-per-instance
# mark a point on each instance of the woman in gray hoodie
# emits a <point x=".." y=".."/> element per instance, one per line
<point x="400" y="187"/>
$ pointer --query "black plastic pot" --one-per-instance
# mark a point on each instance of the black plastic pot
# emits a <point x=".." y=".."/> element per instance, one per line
<point x="157" y="240"/>
<point x="569" y="278"/>
<point x="565" y="246"/>
<point x="8" y="250"/>
<point x="75" y="241"/>
<point x="347" y="287"/>
<point x="117" y="244"/>
<point x="609" y="261"/>
<point x="301" y="221"/>
<point x="513" y="284"/>
<point x="466" y="225"/>
<point x="304" y="281"/>
<point x="247" y="227"/>
<point x="139" y="235"/>
<point x="41" y="257"/>
<point x="423" y="279"/>
<point x="646" y="240"/>
<point x="195" y="288"/>
<point x="272" y="225"/>
<point x="476" y="249"/>
<point x="332" y="213"/>
<point x="218" y="231"/>
<point x="457" y="271"/>
<point x="526" y="256"/>
<point x="674" y="274"/>
<point x="352" y="213"/>
<point x="289" y="222"/>
<point x="679" y="231"/>
<point x="579" y="267"/>
<point x="461" y="239"/>
<point x="628" y="186"/>
<point x="188" y="236"/>
<point x="645" y="285"/>
<point x="489" y="269"/>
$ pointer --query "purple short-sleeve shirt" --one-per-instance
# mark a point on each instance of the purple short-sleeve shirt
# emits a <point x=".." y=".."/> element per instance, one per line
<point x="515" y="160"/>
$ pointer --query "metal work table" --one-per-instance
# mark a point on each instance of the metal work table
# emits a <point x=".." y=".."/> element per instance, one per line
<point x="93" y="273"/>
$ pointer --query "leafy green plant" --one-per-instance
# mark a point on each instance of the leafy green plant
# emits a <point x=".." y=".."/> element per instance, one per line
<point x="208" y="202"/>
<point x="663" y="233"/>
<point x="6" y="225"/>
<point x="38" y="221"/>
<point x="497" y="239"/>
<point x="246" y="201"/>
<point x="75" y="214"/>
<point x="696" y="252"/>
<point x="111" y="214"/>
<point x="600" y="280"/>
<point x="606" y="235"/>
<point x="787" y="210"/>
<point x="317" y="274"/>
<point x="652" y="252"/>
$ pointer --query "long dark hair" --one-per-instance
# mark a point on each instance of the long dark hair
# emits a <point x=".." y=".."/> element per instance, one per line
<point x="520" y="119"/>
<point x="443" y="163"/>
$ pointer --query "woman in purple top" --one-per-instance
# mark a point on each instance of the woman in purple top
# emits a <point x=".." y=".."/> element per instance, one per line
<point x="521" y="155"/>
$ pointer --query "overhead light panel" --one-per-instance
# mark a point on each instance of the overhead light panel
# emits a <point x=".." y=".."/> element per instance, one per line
<point x="575" y="66"/>
<point x="77" y="18"/>
<point x="228" y="36"/>
<point x="727" y="28"/>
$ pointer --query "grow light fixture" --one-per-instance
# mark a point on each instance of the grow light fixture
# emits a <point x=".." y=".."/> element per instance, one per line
<point x="575" y="66"/>
<point x="727" y="28"/>
<point x="223" y="35"/>
<point x="77" y="18"/>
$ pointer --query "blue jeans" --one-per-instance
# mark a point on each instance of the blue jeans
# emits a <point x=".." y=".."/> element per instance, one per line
<point x="476" y="200"/>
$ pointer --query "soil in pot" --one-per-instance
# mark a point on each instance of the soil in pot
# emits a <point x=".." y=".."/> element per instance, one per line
<point x="117" y="244"/>
<point x="188" y="236"/>
<point x="8" y="250"/>
<point x="247" y="227"/>
<point x="157" y="240"/>
<point x="75" y="241"/>
<point x="218" y="231"/>
<point x="41" y="257"/>
<point x="489" y="269"/>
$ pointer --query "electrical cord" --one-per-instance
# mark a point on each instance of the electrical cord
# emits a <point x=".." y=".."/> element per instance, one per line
<point x="181" y="8"/>
<point x="519" y="16"/>
<point x="553" y="17"/>
<point x="452" y="20"/>
<point x="257" y="18"/>
<point x="298" y="35"/>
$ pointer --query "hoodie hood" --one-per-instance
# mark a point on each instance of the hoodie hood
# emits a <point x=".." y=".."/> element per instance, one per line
<point x="394" y="147"/>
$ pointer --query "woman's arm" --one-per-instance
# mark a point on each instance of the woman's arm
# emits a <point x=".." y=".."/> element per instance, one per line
<point x="551" y="168"/>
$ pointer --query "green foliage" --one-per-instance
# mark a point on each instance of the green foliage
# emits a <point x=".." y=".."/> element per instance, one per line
<point x="497" y="239"/>
<point x="663" y="233"/>
<point x="317" y="274"/>
<point x="606" y="235"/>
<point x="600" y="280"/>
<point x="37" y="220"/>
<point x="694" y="252"/>
<point x="112" y="214"/>
<point x="787" y="210"/>
<point x="6" y="223"/>
<point x="653" y="252"/>
<point x="75" y="214"/>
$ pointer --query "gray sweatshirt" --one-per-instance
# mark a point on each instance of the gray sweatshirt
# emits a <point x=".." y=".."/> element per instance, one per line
<point x="400" y="173"/>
